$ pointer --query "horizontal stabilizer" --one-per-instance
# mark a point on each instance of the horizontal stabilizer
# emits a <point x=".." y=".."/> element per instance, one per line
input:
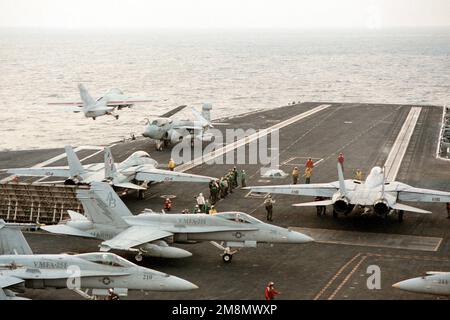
<point x="404" y="207"/>
<point x="63" y="229"/>
<point x="8" y="281"/>
<point x="129" y="185"/>
<point x="431" y="273"/>
<point x="314" y="203"/>
<point x="12" y="240"/>
<point x="75" y="216"/>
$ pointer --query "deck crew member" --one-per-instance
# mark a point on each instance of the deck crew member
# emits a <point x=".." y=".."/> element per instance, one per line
<point x="171" y="164"/>
<point x="201" y="202"/>
<point x="243" y="177"/>
<point x="309" y="163"/>
<point x="307" y="175"/>
<point x="167" y="204"/>
<point x="270" y="292"/>
<point x="212" y="210"/>
<point x="295" y="174"/>
<point x="359" y="175"/>
<point x="112" y="295"/>
<point x="268" y="203"/>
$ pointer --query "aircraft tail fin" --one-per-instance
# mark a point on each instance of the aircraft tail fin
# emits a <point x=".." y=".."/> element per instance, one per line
<point x="75" y="167"/>
<point x="341" y="180"/>
<point x="201" y="118"/>
<point x="88" y="101"/>
<point x="102" y="205"/>
<point x="110" y="166"/>
<point x="12" y="240"/>
<point x="206" y="111"/>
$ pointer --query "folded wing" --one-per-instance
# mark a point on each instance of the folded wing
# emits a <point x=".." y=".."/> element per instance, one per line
<point x="152" y="174"/>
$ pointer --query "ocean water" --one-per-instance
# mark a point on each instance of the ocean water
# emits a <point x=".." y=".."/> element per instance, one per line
<point x="236" y="71"/>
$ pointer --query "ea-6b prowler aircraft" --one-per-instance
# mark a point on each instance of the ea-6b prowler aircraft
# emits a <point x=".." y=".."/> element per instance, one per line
<point x="165" y="130"/>
<point x="149" y="233"/>
<point x="137" y="167"/>
<point x="374" y="193"/>
<point x="20" y="268"/>
<point x="105" y="105"/>
<point x="435" y="282"/>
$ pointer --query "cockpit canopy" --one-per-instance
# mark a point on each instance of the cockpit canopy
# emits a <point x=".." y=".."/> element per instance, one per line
<point x="115" y="91"/>
<point x="106" y="258"/>
<point x="161" y="122"/>
<point x="140" y="154"/>
<point x="238" y="217"/>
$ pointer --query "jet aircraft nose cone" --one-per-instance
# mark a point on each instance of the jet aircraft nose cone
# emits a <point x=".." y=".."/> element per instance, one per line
<point x="297" y="237"/>
<point x="414" y="285"/>
<point x="177" y="284"/>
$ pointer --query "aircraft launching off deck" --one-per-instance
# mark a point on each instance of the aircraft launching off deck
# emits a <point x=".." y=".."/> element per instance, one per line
<point x="105" y="105"/>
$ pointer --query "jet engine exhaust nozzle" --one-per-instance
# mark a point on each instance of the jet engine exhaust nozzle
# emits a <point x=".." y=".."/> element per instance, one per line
<point x="381" y="207"/>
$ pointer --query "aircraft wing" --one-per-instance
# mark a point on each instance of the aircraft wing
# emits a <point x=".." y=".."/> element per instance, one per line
<point x="152" y="174"/>
<point x="44" y="171"/>
<point x="116" y="103"/>
<point x="408" y="193"/>
<point x="74" y="104"/>
<point x="134" y="236"/>
<point x="173" y="111"/>
<point x="63" y="229"/>
<point x="314" y="189"/>
<point x="190" y="127"/>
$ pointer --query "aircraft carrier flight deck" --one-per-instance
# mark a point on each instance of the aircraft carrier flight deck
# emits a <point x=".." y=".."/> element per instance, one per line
<point x="336" y="265"/>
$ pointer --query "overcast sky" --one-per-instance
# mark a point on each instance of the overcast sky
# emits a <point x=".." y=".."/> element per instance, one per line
<point x="223" y="14"/>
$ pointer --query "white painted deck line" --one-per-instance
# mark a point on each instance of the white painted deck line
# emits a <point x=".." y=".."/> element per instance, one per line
<point x="395" y="157"/>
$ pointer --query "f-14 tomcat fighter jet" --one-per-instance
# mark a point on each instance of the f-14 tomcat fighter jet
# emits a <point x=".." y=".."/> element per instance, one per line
<point x="20" y="268"/>
<point x="137" y="167"/>
<point x="435" y="282"/>
<point x="149" y="233"/>
<point x="374" y="193"/>
<point x="105" y="105"/>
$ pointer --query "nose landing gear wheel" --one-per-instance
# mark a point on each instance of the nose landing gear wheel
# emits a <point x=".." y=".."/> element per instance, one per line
<point x="227" y="258"/>
<point x="138" y="257"/>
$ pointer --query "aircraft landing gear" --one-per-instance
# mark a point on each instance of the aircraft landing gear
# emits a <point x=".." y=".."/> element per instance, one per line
<point x="141" y="194"/>
<point x="227" y="257"/>
<point x="93" y="118"/>
<point x="116" y="116"/>
<point x="227" y="254"/>
<point x="400" y="216"/>
<point x="159" y="145"/>
<point x="138" y="257"/>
